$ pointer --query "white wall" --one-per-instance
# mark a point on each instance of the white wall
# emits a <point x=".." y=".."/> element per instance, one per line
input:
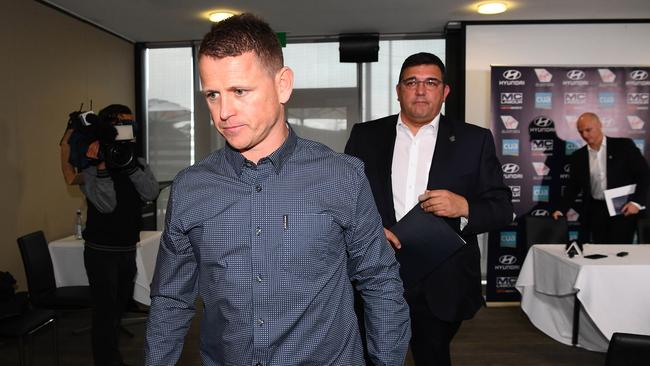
<point x="545" y="44"/>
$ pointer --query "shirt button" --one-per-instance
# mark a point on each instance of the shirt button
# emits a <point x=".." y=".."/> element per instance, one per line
<point x="260" y="322"/>
<point x="258" y="188"/>
<point x="258" y="278"/>
<point x="258" y="231"/>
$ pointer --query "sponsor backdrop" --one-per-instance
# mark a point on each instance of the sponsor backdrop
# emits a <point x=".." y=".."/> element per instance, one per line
<point x="534" y="113"/>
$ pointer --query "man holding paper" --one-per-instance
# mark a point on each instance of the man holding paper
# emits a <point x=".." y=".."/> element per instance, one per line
<point x="605" y="163"/>
<point x="449" y="168"/>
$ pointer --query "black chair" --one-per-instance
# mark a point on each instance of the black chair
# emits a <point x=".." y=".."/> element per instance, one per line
<point x="43" y="293"/>
<point x="643" y="230"/>
<point x="546" y="230"/>
<point x="628" y="350"/>
<point x="18" y="321"/>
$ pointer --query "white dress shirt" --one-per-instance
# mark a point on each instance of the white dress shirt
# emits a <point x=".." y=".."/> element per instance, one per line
<point x="411" y="164"/>
<point x="598" y="170"/>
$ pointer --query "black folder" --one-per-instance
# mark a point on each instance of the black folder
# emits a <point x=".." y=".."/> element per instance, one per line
<point x="427" y="241"/>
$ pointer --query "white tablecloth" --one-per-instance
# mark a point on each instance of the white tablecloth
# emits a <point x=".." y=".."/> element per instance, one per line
<point x="614" y="292"/>
<point x="68" y="261"/>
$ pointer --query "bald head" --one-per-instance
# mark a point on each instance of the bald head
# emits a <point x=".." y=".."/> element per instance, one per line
<point x="590" y="129"/>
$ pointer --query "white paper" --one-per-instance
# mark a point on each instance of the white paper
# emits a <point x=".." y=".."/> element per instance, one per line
<point x="616" y="198"/>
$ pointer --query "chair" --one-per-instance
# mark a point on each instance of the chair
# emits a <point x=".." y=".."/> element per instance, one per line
<point x="17" y="321"/>
<point x="546" y="230"/>
<point x="43" y="292"/>
<point x="643" y="230"/>
<point x="628" y="350"/>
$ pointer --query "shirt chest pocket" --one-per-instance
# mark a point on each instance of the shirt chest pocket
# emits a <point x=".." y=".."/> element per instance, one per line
<point x="311" y="245"/>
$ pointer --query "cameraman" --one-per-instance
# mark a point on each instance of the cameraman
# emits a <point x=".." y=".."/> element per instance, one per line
<point x="115" y="197"/>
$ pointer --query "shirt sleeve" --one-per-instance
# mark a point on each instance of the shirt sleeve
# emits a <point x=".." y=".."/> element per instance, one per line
<point x="374" y="269"/>
<point x="98" y="188"/>
<point x="144" y="181"/>
<point x="173" y="292"/>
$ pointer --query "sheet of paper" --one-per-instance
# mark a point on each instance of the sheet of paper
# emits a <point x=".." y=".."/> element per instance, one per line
<point x="616" y="198"/>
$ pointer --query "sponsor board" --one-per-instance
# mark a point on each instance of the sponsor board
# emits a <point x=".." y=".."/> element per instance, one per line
<point x="575" y="77"/>
<point x="635" y="122"/>
<point x="540" y="193"/>
<point x="575" y="98"/>
<point x="640" y="144"/>
<point x="544" y="100"/>
<point x="542" y="124"/>
<point x="510" y="123"/>
<point x="572" y="215"/>
<point x="638" y="98"/>
<point x="606" y="99"/>
<point x="540" y="168"/>
<point x="541" y="146"/>
<point x="510" y="147"/>
<point x="506" y="282"/>
<point x="638" y="78"/>
<point x="516" y="193"/>
<point x="511" y="171"/>
<point x="512" y="100"/>
<point x="507" y="262"/>
<point x="508" y="239"/>
<point x="607" y="76"/>
<point x="540" y="212"/>
<point x="511" y="77"/>
<point x="543" y="76"/>
<point x="570" y="146"/>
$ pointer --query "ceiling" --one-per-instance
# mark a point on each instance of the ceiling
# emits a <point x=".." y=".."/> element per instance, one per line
<point x="183" y="20"/>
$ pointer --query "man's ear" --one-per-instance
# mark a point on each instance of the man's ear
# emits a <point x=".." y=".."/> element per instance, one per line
<point x="284" y="84"/>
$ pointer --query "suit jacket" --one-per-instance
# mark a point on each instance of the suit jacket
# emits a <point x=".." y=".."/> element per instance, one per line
<point x="464" y="162"/>
<point x="625" y="165"/>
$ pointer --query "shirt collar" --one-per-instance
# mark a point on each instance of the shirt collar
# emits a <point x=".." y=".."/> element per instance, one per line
<point x="434" y="123"/>
<point x="278" y="158"/>
<point x="602" y="144"/>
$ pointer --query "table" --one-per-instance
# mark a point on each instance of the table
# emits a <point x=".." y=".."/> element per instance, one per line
<point x="613" y="292"/>
<point x="68" y="262"/>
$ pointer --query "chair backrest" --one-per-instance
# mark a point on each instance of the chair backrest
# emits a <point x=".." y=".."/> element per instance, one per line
<point x="546" y="230"/>
<point x="643" y="227"/>
<point x="628" y="350"/>
<point x="38" y="264"/>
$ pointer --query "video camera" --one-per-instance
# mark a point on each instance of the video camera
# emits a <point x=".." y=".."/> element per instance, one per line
<point x="116" y="136"/>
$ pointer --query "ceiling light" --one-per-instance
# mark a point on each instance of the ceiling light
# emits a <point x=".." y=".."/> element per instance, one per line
<point x="492" y="8"/>
<point x="218" y="16"/>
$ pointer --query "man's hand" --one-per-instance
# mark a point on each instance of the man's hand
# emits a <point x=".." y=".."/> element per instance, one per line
<point x="442" y="202"/>
<point x="557" y="214"/>
<point x="392" y="239"/>
<point x="630" y="209"/>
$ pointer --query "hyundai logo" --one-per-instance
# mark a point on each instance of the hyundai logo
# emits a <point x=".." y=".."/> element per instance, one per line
<point x="576" y="75"/>
<point x="510" y="168"/>
<point x="638" y="75"/>
<point x="511" y="74"/>
<point x="507" y="259"/>
<point x="539" y="212"/>
<point x="543" y="122"/>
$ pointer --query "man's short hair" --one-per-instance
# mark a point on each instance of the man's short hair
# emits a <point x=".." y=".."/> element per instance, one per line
<point x="240" y="34"/>
<point x="423" y="58"/>
<point x="111" y="112"/>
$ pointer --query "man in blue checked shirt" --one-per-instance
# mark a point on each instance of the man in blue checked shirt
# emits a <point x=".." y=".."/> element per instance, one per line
<point x="270" y="230"/>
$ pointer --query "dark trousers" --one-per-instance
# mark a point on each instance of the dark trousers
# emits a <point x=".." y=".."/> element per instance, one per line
<point x="607" y="229"/>
<point x="430" y="336"/>
<point x="110" y="275"/>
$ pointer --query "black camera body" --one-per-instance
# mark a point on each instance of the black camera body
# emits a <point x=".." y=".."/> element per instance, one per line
<point x="116" y="140"/>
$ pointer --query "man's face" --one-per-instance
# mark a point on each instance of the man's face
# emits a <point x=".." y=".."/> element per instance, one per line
<point x="245" y="101"/>
<point x="590" y="129"/>
<point x="422" y="102"/>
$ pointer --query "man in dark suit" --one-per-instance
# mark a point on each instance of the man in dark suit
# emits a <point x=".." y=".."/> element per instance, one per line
<point x="605" y="163"/>
<point x="461" y="181"/>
